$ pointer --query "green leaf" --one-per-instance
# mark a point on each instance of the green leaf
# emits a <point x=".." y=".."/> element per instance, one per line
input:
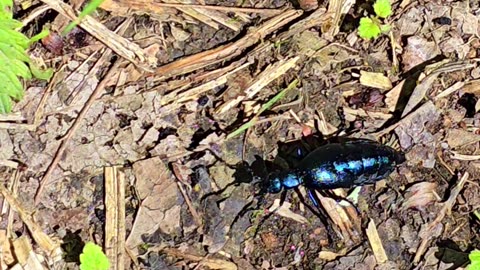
<point x="14" y="60"/>
<point x="9" y="88"/>
<point x="382" y="8"/>
<point x="13" y="51"/>
<point x="21" y="69"/>
<point x="10" y="36"/>
<point x="93" y="258"/>
<point x="385" y="28"/>
<point x="5" y="103"/>
<point x="10" y="24"/>
<point x="41" y="74"/>
<point x="368" y="28"/>
<point x="89" y="9"/>
<point x="6" y="9"/>
<point x="474" y="257"/>
<point x="37" y="37"/>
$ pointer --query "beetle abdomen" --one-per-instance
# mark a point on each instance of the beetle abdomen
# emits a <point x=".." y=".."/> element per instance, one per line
<point x="348" y="164"/>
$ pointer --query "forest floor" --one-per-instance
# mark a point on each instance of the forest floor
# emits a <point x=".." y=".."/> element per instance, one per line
<point x="161" y="118"/>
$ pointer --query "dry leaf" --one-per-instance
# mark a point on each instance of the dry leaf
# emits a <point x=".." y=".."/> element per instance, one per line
<point x="420" y="195"/>
<point x="417" y="51"/>
<point x="160" y="197"/>
<point x="178" y="33"/>
<point x="330" y="255"/>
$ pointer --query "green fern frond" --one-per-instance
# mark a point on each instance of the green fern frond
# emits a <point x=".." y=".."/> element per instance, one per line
<point x="14" y="60"/>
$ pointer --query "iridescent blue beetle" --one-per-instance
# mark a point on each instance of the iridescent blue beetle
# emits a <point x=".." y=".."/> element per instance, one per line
<point x="339" y="165"/>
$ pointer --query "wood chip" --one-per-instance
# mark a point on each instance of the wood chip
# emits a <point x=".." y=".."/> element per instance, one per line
<point x="391" y="98"/>
<point x="284" y="211"/>
<point x="343" y="217"/>
<point x="471" y="87"/>
<point x="6" y="250"/>
<point x="376" y="243"/>
<point x="228" y="51"/>
<point x="25" y="255"/>
<point x="375" y="80"/>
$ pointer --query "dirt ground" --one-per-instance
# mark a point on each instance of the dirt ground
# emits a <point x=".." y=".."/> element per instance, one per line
<point x="162" y="119"/>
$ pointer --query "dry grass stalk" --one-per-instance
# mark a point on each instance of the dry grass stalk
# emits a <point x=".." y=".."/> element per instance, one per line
<point x="193" y="93"/>
<point x="210" y="263"/>
<point x="115" y="217"/>
<point x="48" y="245"/>
<point x="120" y="45"/>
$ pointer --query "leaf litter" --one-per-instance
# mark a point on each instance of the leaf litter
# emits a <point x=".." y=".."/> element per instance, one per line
<point x="192" y="200"/>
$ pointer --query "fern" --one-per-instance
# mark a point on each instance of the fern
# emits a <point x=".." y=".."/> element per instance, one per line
<point x="14" y="61"/>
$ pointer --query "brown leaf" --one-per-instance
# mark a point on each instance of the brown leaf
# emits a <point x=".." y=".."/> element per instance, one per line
<point x="420" y="195"/>
<point x="160" y="196"/>
<point x="417" y="51"/>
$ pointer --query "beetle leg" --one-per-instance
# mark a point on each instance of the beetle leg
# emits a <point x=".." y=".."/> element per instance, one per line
<point x="312" y="197"/>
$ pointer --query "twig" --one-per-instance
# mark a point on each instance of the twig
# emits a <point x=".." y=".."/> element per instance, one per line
<point x="266" y="11"/>
<point x="76" y="124"/>
<point x="34" y="14"/>
<point x="115" y="42"/>
<point x="225" y="52"/>
<point x="47" y="244"/>
<point x="193" y="211"/>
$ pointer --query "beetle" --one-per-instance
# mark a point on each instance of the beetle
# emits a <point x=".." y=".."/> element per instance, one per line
<point x="338" y="165"/>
